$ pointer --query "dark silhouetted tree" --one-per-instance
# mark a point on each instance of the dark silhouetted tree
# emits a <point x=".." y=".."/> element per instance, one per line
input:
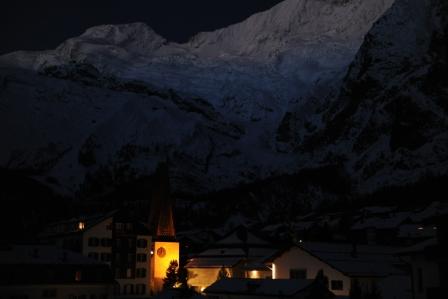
<point x="374" y="293"/>
<point x="319" y="288"/>
<point x="355" y="290"/>
<point x="171" y="277"/>
<point x="182" y="277"/>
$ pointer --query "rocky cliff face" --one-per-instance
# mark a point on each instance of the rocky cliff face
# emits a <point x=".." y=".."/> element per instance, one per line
<point x="389" y="121"/>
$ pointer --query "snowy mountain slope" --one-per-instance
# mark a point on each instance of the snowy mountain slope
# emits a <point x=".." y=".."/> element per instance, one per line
<point x="390" y="122"/>
<point x="70" y="132"/>
<point x="106" y="106"/>
<point x="273" y="57"/>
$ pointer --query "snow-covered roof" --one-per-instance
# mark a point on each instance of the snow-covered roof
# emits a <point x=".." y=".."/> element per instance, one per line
<point x="213" y="262"/>
<point x="41" y="254"/>
<point x="259" y="266"/>
<point x="416" y="231"/>
<point x="242" y="238"/>
<point x="229" y="257"/>
<point x="382" y="222"/>
<point x="222" y="252"/>
<point x="71" y="225"/>
<point x="432" y="210"/>
<point x="419" y="247"/>
<point x="377" y="210"/>
<point x="366" y="260"/>
<point x="258" y="287"/>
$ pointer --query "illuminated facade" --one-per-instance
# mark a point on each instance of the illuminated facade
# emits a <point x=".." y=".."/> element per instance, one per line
<point x="241" y="254"/>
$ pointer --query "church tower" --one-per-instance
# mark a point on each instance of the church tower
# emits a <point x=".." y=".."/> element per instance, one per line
<point x="161" y="223"/>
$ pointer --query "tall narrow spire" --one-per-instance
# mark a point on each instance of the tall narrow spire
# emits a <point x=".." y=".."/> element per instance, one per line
<point x="161" y="216"/>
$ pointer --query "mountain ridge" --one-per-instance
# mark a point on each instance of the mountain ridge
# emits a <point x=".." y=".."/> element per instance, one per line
<point x="127" y="98"/>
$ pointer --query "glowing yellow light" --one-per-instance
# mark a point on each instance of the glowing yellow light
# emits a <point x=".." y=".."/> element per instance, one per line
<point x="165" y="253"/>
<point x="254" y="274"/>
<point x="81" y="225"/>
<point x="274" y="271"/>
<point x="202" y="289"/>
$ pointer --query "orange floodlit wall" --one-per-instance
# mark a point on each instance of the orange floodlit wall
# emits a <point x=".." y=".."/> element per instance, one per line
<point x="164" y="253"/>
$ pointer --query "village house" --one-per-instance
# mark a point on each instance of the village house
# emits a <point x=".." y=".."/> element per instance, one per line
<point x="429" y="263"/>
<point x="114" y="239"/>
<point x="344" y="265"/>
<point x="379" y="229"/>
<point x="40" y="271"/>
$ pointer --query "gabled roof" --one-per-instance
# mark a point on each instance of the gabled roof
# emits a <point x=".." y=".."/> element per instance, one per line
<point x="259" y="287"/>
<point x="365" y="261"/>
<point x="239" y="245"/>
<point x="71" y="226"/>
<point x="390" y="222"/>
<point x="241" y="236"/>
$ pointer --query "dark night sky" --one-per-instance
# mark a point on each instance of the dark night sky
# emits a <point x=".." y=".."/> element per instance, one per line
<point x="35" y="25"/>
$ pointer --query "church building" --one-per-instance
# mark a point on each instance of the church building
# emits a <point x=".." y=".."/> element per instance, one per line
<point x="161" y="224"/>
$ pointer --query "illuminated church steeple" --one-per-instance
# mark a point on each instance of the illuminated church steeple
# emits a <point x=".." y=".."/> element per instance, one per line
<point x="161" y="223"/>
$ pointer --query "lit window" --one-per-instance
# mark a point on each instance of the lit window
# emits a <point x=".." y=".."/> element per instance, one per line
<point x="78" y="276"/>
<point x="254" y="274"/>
<point x="81" y="225"/>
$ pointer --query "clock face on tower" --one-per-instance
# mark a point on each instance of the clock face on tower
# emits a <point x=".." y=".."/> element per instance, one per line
<point x="161" y="252"/>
